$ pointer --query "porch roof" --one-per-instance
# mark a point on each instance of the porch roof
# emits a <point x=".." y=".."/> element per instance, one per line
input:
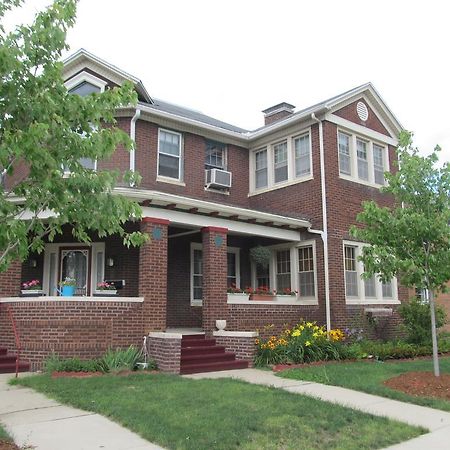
<point x="197" y="213"/>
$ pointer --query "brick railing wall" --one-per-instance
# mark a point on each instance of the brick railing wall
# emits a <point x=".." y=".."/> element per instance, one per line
<point x="76" y="328"/>
<point x="165" y="349"/>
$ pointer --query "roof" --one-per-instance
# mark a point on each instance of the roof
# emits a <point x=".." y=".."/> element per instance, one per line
<point x="75" y="61"/>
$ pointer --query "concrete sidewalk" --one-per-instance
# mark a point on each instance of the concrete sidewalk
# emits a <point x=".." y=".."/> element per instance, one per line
<point x="34" y="420"/>
<point x="436" y="421"/>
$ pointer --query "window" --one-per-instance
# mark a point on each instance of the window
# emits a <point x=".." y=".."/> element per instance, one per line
<point x="360" y="290"/>
<point x="233" y="271"/>
<point x="262" y="275"/>
<point x="351" y="275"/>
<point x="261" y="168"/>
<point x="84" y="88"/>
<point x="283" y="270"/>
<point x="344" y="154"/>
<point x="362" y="160"/>
<point x="280" y="162"/>
<point x="215" y="155"/>
<point x="302" y="155"/>
<point x="378" y="164"/>
<point x="306" y="277"/>
<point x="169" y="154"/>
<point x="363" y="165"/>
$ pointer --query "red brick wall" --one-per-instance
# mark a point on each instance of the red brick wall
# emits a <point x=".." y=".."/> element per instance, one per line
<point x="214" y="276"/>
<point x="153" y="274"/>
<point x="243" y="347"/>
<point x="349" y="112"/>
<point x="194" y="147"/>
<point x="76" y="328"/>
<point x="10" y="280"/>
<point x="166" y="352"/>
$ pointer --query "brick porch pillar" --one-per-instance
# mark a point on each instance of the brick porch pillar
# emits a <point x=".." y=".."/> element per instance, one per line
<point x="214" y="276"/>
<point x="10" y="280"/>
<point x="153" y="274"/>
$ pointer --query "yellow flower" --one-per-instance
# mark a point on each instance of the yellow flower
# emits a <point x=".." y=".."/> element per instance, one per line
<point x="256" y="341"/>
<point x="296" y="333"/>
<point x="307" y="343"/>
<point x="309" y="324"/>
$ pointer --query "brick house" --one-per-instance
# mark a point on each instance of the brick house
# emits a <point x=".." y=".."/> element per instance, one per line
<point x="210" y="193"/>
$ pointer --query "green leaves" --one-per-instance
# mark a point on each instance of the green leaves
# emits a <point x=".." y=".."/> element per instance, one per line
<point x="411" y="239"/>
<point x="45" y="132"/>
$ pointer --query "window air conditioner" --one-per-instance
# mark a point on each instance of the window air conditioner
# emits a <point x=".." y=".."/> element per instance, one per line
<point x="218" y="179"/>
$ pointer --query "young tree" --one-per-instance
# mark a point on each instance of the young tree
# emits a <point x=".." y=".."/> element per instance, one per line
<point x="412" y="239"/>
<point x="44" y="133"/>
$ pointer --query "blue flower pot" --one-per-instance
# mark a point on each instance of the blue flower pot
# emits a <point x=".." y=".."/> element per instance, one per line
<point x="68" y="291"/>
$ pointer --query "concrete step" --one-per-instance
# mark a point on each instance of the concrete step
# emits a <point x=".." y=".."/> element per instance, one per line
<point x="206" y="358"/>
<point x="212" y="367"/>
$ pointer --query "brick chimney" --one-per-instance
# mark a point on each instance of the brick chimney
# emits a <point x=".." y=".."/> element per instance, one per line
<point x="278" y="112"/>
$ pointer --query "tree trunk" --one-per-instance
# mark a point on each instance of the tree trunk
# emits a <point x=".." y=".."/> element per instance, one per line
<point x="433" y="333"/>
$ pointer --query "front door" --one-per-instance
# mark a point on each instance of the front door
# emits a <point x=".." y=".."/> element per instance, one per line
<point x="74" y="264"/>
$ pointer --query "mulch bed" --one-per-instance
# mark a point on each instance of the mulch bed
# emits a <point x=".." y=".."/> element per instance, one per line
<point x="422" y="384"/>
<point x="5" y="445"/>
<point x="75" y="375"/>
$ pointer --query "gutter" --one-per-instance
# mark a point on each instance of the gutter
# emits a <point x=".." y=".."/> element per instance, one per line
<point x="133" y="138"/>
<point x="324" y="232"/>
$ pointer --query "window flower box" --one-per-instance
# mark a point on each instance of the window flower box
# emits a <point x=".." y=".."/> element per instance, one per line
<point x="105" y="293"/>
<point x="261" y="294"/>
<point x="31" y="293"/>
<point x="262" y="297"/>
<point x="237" y="296"/>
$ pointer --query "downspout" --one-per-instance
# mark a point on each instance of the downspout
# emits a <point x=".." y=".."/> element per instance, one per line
<point x="324" y="232"/>
<point x="133" y="138"/>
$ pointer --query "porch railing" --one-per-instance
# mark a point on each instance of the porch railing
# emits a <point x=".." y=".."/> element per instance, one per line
<point x="16" y="337"/>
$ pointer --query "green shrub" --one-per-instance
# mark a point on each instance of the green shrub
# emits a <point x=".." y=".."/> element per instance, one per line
<point x="56" y="364"/>
<point x="118" y="359"/>
<point x="417" y="320"/>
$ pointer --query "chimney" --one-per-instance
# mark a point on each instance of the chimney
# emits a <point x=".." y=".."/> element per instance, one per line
<point x="278" y="112"/>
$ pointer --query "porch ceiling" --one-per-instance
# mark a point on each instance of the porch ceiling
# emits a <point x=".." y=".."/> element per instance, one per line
<point x="195" y="213"/>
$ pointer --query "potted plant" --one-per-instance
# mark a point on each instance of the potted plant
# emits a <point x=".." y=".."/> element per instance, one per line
<point x="67" y="287"/>
<point x="262" y="293"/>
<point x="287" y="292"/>
<point x="233" y="292"/>
<point x="104" y="289"/>
<point x="261" y="255"/>
<point x="32" y="288"/>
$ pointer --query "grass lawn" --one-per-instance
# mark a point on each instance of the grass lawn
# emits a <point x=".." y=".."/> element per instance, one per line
<point x="369" y="377"/>
<point x="4" y="436"/>
<point x="180" y="413"/>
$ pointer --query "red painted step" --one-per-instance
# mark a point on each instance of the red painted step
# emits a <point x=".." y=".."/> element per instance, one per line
<point x="3" y="351"/>
<point x="11" y="367"/>
<point x="7" y="358"/>
<point x="199" y="354"/>
<point x="212" y="367"/>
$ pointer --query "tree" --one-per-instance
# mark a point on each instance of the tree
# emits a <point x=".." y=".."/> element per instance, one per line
<point x="44" y="132"/>
<point x="411" y="240"/>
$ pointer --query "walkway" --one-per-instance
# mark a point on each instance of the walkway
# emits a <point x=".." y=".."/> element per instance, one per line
<point x="43" y="424"/>
<point x="438" y="422"/>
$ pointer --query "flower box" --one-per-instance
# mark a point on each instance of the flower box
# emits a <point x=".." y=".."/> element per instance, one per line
<point x="262" y="297"/>
<point x="31" y="293"/>
<point x="237" y="296"/>
<point x="105" y="293"/>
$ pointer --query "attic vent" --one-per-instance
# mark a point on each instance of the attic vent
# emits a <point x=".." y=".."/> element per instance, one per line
<point x="363" y="112"/>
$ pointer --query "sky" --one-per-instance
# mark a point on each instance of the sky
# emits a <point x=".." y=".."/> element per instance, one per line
<point x="232" y="59"/>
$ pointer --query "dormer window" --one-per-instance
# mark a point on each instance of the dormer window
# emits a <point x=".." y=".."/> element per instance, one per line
<point x="85" y="88"/>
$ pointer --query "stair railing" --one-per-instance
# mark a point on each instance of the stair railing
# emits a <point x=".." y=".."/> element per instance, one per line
<point x="16" y="338"/>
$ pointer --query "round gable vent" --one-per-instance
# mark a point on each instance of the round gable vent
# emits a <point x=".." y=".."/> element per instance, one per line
<point x="363" y="112"/>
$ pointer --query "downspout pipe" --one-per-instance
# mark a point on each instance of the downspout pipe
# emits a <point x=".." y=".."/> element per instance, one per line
<point x="324" y="232"/>
<point x="134" y="119"/>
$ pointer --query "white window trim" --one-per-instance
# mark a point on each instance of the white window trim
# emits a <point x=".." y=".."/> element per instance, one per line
<point x="166" y="179"/>
<point x="292" y="179"/>
<point x="361" y="299"/>
<point x="283" y="299"/>
<point x="198" y="246"/>
<point x="89" y="78"/>
<point x="354" y="158"/>
<point x="96" y="247"/>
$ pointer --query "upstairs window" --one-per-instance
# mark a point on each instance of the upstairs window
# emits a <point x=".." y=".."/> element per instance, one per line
<point x="302" y="155"/>
<point x="215" y="157"/>
<point x="261" y="179"/>
<point x="362" y="160"/>
<point x="280" y="162"/>
<point x="85" y="88"/>
<point x="169" y="154"/>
